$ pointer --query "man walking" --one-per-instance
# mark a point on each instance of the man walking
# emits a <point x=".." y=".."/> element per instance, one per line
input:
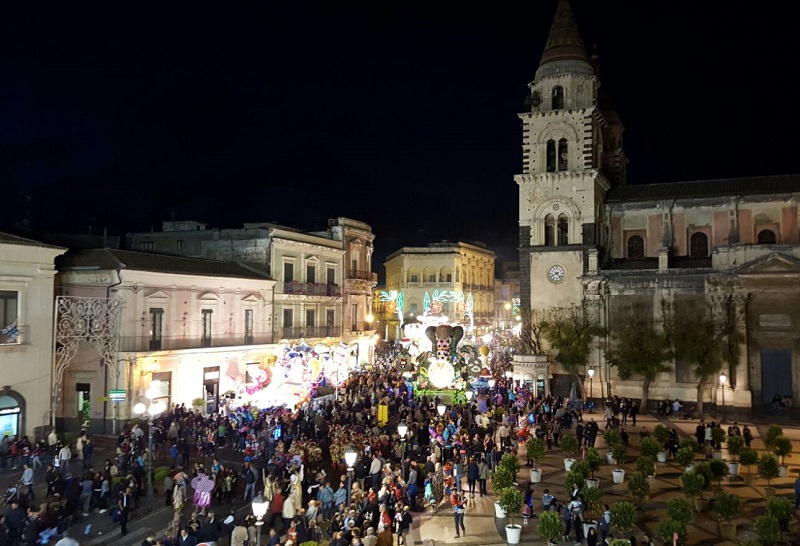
<point x="124" y="505"/>
<point x="27" y="481"/>
<point x="64" y="457"/>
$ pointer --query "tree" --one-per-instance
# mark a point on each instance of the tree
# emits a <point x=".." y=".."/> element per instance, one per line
<point x="570" y="331"/>
<point x="624" y="516"/>
<point x="639" y="350"/>
<point x="550" y="527"/>
<point x="698" y="335"/>
<point x="530" y="332"/>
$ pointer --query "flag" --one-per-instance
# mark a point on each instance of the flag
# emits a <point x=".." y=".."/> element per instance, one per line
<point x="11" y="332"/>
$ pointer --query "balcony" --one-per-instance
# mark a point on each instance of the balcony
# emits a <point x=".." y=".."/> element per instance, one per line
<point x="362" y="326"/>
<point x="311" y="289"/>
<point x="362" y="275"/>
<point x="145" y="343"/>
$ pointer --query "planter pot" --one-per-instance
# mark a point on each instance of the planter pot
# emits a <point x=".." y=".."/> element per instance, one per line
<point x="716" y="454"/>
<point x="498" y="511"/>
<point x="610" y="458"/>
<point x="748" y="479"/>
<point x="700" y="505"/>
<point x="689" y="468"/>
<point x="782" y="471"/>
<point x="588" y="525"/>
<point x="618" y="475"/>
<point x="592" y="483"/>
<point x="769" y="491"/>
<point x="661" y="456"/>
<point x="733" y="468"/>
<point x="513" y="533"/>
<point x="536" y="475"/>
<point x="727" y="530"/>
<point x="568" y="463"/>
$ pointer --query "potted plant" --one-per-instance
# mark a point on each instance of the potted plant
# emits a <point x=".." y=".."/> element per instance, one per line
<point x="668" y="529"/>
<point x="594" y="461"/>
<point x="772" y="432"/>
<point x="569" y="445"/>
<point x="680" y="509"/>
<point x="782" y="509"/>
<point x="650" y="447"/>
<point x="639" y="487"/>
<point x="611" y="437"/>
<point x="768" y="469"/>
<point x="727" y="506"/>
<point x="510" y="461"/>
<point x="735" y="445"/>
<point x="748" y="457"/>
<point x="536" y="451"/>
<point x="663" y="437"/>
<point x="575" y="479"/>
<point x="620" y="453"/>
<point x="511" y="502"/>
<point x="719" y="469"/>
<point x="502" y="478"/>
<point x="685" y="456"/>
<point x="624" y="516"/>
<point x="593" y="505"/>
<point x="717" y="437"/>
<point x="782" y="447"/>
<point x="550" y="527"/>
<point x="767" y="529"/>
<point x="646" y="465"/>
<point x="693" y="484"/>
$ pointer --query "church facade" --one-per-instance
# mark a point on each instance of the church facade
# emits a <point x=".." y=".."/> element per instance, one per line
<point x="589" y="238"/>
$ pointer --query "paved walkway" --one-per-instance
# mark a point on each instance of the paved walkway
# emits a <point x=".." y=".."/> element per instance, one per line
<point x="436" y="528"/>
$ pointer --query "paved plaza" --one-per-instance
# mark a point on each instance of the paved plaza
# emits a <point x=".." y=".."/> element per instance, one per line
<point x="485" y="529"/>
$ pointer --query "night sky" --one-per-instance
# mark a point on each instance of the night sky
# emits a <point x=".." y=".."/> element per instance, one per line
<point x="119" y="117"/>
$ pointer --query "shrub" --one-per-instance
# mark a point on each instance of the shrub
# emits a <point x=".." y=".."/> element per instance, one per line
<point x="650" y="447"/>
<point x="735" y="445"/>
<point x="717" y="435"/>
<point x="782" y="509"/>
<point x="309" y="543"/>
<point x="646" y="465"/>
<point x="573" y="480"/>
<point x="550" y="527"/>
<point x="666" y="529"/>
<point x="592" y="500"/>
<point x="620" y="453"/>
<point x="593" y="460"/>
<point x="768" y="467"/>
<point x="727" y="505"/>
<point x="782" y="447"/>
<point x="772" y="432"/>
<point x="692" y="443"/>
<point x="510" y="461"/>
<point x="661" y="434"/>
<point x="624" y="516"/>
<point x="692" y="484"/>
<point x="159" y="474"/>
<point x="639" y="487"/>
<point x="719" y="469"/>
<point x="569" y="444"/>
<point x="198" y="403"/>
<point x="580" y="467"/>
<point x="619" y="542"/>
<point x="704" y="468"/>
<point x="535" y="450"/>
<point x="685" y="456"/>
<point x="768" y="529"/>
<point x="748" y="457"/>
<point x="611" y="437"/>
<point x="681" y="510"/>
<point x="510" y="501"/>
<point x="501" y="478"/>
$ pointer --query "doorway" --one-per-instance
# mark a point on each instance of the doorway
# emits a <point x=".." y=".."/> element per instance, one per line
<point x="83" y="400"/>
<point x="211" y="388"/>
<point x="776" y="374"/>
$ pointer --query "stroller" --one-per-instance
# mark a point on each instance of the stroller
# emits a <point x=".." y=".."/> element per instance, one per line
<point x="12" y="494"/>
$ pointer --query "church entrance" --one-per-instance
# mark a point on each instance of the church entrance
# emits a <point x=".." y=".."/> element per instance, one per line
<point x="776" y="374"/>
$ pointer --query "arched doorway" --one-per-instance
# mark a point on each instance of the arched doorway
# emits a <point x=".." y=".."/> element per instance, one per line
<point x="12" y="413"/>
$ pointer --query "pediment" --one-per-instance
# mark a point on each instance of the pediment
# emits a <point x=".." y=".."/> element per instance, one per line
<point x="251" y="298"/>
<point x="156" y="295"/>
<point x="208" y="297"/>
<point x="775" y="263"/>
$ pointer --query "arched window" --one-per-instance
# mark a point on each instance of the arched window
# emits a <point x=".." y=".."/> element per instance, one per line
<point x="698" y="245"/>
<point x="635" y="247"/>
<point x="563" y="154"/>
<point x="558" y="97"/>
<point x="549" y="230"/>
<point x="551" y="156"/>
<point x="563" y="230"/>
<point x="766" y="237"/>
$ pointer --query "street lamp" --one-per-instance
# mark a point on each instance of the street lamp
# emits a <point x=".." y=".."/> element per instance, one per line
<point x="590" y="371"/>
<point x="722" y="380"/>
<point x="350" y="458"/>
<point x="441" y="408"/>
<point x="150" y="410"/>
<point x="259" y="510"/>
<point x="491" y="383"/>
<point x="469" y="394"/>
<point x="402" y="430"/>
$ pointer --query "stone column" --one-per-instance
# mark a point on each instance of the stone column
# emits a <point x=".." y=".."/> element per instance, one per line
<point x="742" y="396"/>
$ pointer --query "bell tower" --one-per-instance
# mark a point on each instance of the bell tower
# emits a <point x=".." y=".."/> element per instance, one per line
<point x="571" y="156"/>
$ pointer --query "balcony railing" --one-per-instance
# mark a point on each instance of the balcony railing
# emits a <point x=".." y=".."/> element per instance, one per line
<point x="311" y="289"/>
<point x="362" y="275"/>
<point x="145" y="343"/>
<point x="362" y="326"/>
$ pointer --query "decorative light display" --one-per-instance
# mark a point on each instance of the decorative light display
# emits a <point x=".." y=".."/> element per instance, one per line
<point x="440" y="373"/>
<point x="394" y="302"/>
<point x="516" y="302"/>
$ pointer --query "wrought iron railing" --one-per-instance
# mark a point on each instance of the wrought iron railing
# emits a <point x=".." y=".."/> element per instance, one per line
<point x="311" y="289"/>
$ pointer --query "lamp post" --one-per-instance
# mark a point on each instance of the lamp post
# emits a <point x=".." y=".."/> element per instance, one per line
<point x="150" y="410"/>
<point x="350" y="458"/>
<point x="402" y="430"/>
<point x="491" y="384"/>
<point x="469" y="394"/>
<point x="441" y="408"/>
<point x="259" y="510"/>
<point x="590" y="372"/>
<point x="722" y="380"/>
